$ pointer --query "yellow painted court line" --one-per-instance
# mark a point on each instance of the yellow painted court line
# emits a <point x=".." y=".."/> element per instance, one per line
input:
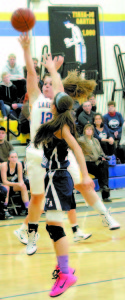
<point x="40" y="16"/>
<point x="43" y="16"/>
<point x="5" y="16"/>
<point x="111" y="17"/>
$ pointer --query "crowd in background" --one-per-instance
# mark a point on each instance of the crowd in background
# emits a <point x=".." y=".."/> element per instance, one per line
<point x="100" y="136"/>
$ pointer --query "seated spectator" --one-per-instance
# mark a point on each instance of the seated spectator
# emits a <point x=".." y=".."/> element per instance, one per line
<point x="40" y="82"/>
<point x="92" y="100"/>
<point x="16" y="75"/>
<point x="24" y="125"/>
<point x="8" y="92"/>
<point x="75" y="107"/>
<point x="121" y="146"/>
<point x="5" y="146"/>
<point x="114" y="121"/>
<point x="78" y="111"/>
<point x="86" y="116"/>
<point x="3" y="110"/>
<point x="95" y="159"/>
<point x="12" y="177"/>
<point x="103" y="135"/>
<point x="37" y="68"/>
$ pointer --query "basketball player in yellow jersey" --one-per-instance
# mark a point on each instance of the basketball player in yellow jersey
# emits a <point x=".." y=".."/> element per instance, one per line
<point x="40" y="113"/>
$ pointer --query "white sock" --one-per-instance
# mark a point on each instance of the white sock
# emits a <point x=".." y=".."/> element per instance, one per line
<point x="100" y="207"/>
<point x="24" y="227"/>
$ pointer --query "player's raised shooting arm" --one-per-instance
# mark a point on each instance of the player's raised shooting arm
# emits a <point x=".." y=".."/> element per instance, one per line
<point x="32" y="85"/>
<point x="52" y="66"/>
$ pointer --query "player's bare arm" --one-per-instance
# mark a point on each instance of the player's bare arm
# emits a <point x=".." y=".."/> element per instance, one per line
<point x="32" y="85"/>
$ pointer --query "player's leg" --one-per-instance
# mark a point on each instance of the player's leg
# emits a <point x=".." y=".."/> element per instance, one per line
<point x="78" y="235"/>
<point x="75" y="173"/>
<point x="63" y="273"/>
<point x="21" y="232"/>
<point x="93" y="200"/>
<point x="90" y="196"/>
<point x="36" y="178"/>
<point x="34" y="213"/>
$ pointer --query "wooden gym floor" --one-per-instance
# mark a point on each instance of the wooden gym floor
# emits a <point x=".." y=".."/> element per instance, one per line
<point x="99" y="261"/>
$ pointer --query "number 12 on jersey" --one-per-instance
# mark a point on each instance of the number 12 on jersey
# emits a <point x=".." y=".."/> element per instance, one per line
<point x="45" y="117"/>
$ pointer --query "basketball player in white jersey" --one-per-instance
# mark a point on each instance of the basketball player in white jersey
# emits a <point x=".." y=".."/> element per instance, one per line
<point x="40" y="113"/>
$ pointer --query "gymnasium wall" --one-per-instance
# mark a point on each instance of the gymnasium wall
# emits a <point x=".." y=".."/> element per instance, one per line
<point x="112" y="31"/>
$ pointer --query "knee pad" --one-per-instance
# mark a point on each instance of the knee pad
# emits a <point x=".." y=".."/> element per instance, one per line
<point x="55" y="232"/>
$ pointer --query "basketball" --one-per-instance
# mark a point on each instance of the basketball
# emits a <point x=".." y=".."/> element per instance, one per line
<point x="23" y="19"/>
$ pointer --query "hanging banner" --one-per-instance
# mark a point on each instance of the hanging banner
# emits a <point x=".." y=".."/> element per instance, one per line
<point x="74" y="31"/>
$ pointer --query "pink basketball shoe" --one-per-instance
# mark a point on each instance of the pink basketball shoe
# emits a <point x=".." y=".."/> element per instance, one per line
<point x="71" y="270"/>
<point x="63" y="282"/>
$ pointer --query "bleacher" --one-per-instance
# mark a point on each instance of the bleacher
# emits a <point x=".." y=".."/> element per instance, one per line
<point x="116" y="177"/>
<point x="13" y="124"/>
<point x="18" y="140"/>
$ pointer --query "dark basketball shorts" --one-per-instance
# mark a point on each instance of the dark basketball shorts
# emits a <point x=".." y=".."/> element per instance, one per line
<point x="59" y="191"/>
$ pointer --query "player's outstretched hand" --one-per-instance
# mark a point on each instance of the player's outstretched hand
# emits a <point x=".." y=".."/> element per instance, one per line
<point x="50" y="63"/>
<point x="24" y="40"/>
<point x="58" y="60"/>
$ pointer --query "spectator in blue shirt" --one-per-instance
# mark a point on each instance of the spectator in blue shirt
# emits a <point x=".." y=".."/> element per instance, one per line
<point x="114" y="121"/>
<point x="102" y="133"/>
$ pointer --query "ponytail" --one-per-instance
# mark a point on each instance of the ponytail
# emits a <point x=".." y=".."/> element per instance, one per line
<point x="46" y="131"/>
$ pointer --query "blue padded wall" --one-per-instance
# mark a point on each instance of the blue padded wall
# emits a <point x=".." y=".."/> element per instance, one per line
<point x="117" y="182"/>
<point x="117" y="171"/>
<point x="114" y="183"/>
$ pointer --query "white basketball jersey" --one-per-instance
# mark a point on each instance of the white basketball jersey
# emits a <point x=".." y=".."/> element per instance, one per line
<point x="40" y="114"/>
